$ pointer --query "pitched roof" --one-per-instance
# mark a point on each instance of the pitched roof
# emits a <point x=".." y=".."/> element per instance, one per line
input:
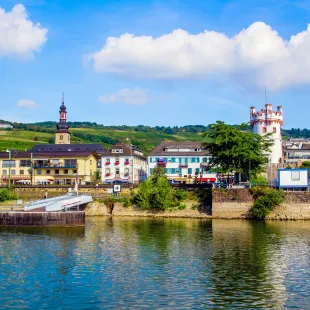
<point x="67" y="148"/>
<point x="161" y="149"/>
<point x="128" y="150"/>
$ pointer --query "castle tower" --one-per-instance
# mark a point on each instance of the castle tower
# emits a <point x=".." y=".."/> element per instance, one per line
<point x="268" y="121"/>
<point x="62" y="135"/>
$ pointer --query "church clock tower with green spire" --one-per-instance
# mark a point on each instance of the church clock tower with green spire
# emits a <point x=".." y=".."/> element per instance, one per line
<point x="62" y="135"/>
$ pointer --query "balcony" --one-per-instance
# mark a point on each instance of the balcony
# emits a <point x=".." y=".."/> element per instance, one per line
<point x="107" y="163"/>
<point x="36" y="166"/>
<point x="108" y="174"/>
<point x="161" y="164"/>
<point x="126" y="162"/>
<point x="183" y="165"/>
<point x="16" y="177"/>
<point x="116" y="163"/>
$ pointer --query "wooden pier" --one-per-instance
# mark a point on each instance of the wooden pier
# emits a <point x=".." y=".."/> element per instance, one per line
<point x="42" y="219"/>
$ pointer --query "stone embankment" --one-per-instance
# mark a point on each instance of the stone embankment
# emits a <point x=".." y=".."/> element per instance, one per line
<point x="226" y="204"/>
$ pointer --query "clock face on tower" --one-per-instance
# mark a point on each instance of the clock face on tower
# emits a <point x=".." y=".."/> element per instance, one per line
<point x="62" y="115"/>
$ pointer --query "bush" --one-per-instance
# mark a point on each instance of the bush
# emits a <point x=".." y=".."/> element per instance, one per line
<point x="143" y="195"/>
<point x="195" y="206"/>
<point x="265" y="200"/>
<point x="6" y="194"/>
<point x="182" y="206"/>
<point x="180" y="194"/>
<point x="127" y="202"/>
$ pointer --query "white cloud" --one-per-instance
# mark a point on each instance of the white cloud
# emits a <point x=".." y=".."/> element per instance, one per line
<point x="19" y="36"/>
<point x="257" y="56"/>
<point x="27" y="104"/>
<point x="128" y="96"/>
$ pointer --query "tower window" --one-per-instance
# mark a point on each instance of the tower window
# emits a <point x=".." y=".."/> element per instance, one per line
<point x="264" y="129"/>
<point x="61" y="137"/>
<point x="274" y="129"/>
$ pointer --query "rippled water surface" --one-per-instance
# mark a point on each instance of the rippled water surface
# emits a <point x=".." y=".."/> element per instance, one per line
<point x="121" y="263"/>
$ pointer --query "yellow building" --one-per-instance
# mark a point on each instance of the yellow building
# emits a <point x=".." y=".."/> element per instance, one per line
<point x="48" y="167"/>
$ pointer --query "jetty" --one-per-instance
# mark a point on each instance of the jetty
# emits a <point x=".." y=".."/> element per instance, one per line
<point x="42" y="219"/>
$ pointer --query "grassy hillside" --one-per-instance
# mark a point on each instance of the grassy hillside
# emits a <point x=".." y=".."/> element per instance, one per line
<point x="22" y="139"/>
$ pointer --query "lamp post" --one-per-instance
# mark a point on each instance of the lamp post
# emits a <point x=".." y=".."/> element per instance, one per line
<point x="9" y="176"/>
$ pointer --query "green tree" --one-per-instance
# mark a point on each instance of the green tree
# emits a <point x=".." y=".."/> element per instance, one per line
<point x="235" y="149"/>
<point x="306" y="164"/>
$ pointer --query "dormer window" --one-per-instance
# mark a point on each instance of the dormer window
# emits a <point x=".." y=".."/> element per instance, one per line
<point x="117" y="150"/>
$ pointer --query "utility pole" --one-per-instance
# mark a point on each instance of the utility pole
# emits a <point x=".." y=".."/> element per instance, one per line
<point x="250" y="172"/>
<point x="31" y="168"/>
<point x="9" y="176"/>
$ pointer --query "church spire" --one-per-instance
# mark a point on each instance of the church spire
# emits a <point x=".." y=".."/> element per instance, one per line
<point x="62" y="133"/>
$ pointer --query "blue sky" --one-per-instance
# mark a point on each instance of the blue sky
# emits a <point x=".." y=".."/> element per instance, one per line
<point x="171" y="63"/>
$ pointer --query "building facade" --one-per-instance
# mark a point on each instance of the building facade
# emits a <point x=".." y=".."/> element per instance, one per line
<point x="182" y="161"/>
<point x="123" y="163"/>
<point x="267" y="121"/>
<point x="296" y="151"/>
<point x="63" y="168"/>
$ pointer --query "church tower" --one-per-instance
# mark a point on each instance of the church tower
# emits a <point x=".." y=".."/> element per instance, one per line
<point x="62" y="135"/>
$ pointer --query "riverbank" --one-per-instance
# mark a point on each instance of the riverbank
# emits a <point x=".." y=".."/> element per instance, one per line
<point x="225" y="210"/>
<point x="224" y="204"/>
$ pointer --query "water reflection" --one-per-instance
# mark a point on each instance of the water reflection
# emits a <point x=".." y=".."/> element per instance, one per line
<point x="157" y="263"/>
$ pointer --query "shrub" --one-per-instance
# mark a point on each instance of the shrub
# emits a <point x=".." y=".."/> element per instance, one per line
<point x="195" y="206"/>
<point x="180" y="194"/>
<point x="127" y="202"/>
<point x="6" y="194"/>
<point x="182" y="206"/>
<point x="143" y="195"/>
<point x="265" y="200"/>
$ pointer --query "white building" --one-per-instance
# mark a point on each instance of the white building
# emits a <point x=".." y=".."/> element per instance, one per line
<point x="5" y="126"/>
<point x="268" y="121"/>
<point x="123" y="163"/>
<point x="182" y="161"/>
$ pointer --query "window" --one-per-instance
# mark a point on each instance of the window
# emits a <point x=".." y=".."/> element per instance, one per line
<point x="197" y="171"/>
<point x="151" y="171"/>
<point x="274" y="129"/>
<point x="264" y="129"/>
<point x="74" y="171"/>
<point x="295" y="175"/>
<point x="197" y="160"/>
<point x="55" y="162"/>
<point x="66" y="171"/>
<point x="193" y="159"/>
<point x="4" y="172"/>
<point x="91" y="173"/>
<point x="189" y="170"/>
<point x="151" y="159"/>
<point x="173" y="160"/>
<point x="21" y="172"/>
<point x="13" y="172"/>
<point x="157" y="159"/>
<point x="117" y="171"/>
<point x="71" y="162"/>
<point x="173" y="170"/>
<point x="90" y="162"/>
<point x="107" y="160"/>
<point x="56" y="171"/>
<point x="48" y="171"/>
<point x="117" y="151"/>
<point x="6" y="163"/>
<point x="61" y="137"/>
<point x="205" y="159"/>
<point x="25" y="163"/>
<point x="126" y="172"/>
<point x="39" y="172"/>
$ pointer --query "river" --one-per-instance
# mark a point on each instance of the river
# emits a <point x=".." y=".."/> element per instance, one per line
<point x="121" y="263"/>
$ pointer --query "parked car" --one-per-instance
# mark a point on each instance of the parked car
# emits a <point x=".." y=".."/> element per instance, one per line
<point x="173" y="181"/>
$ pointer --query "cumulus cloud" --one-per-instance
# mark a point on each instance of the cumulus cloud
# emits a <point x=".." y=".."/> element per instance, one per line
<point x="257" y="56"/>
<point x="128" y="96"/>
<point x="28" y="104"/>
<point x="19" y="36"/>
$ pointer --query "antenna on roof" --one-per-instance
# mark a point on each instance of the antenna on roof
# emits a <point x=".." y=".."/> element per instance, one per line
<point x="265" y="94"/>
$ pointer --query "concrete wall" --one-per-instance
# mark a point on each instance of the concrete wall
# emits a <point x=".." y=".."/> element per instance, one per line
<point x="50" y="219"/>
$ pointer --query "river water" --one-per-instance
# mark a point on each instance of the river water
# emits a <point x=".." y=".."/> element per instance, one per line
<point x="122" y="263"/>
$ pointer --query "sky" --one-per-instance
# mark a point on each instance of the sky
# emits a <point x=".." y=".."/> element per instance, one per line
<point x="170" y="63"/>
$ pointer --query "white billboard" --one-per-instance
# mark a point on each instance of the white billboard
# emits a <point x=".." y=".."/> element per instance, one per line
<point x="293" y="178"/>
